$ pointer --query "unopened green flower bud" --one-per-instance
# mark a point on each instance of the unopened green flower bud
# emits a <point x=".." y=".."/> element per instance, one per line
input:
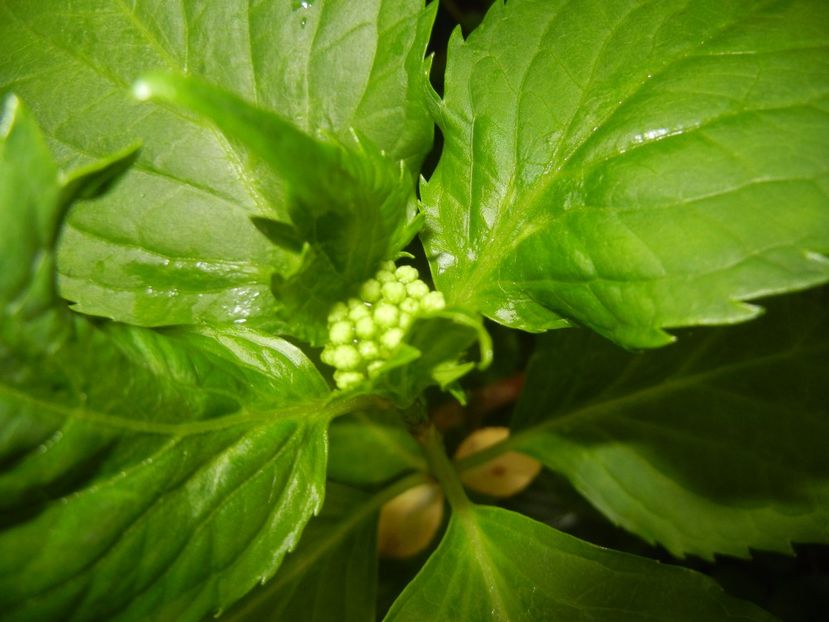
<point x="363" y="332"/>
<point x="374" y="367"/>
<point x="385" y="276"/>
<point x="346" y="358"/>
<point x="338" y="312"/>
<point x="406" y="274"/>
<point x="370" y="290"/>
<point x="385" y="315"/>
<point x="347" y="379"/>
<point x="394" y="292"/>
<point x="341" y="332"/>
<point x="327" y="356"/>
<point x="391" y="338"/>
<point x="410" y="306"/>
<point x="368" y="350"/>
<point x="358" y="312"/>
<point x="417" y="289"/>
<point x="365" y="328"/>
<point x="433" y="301"/>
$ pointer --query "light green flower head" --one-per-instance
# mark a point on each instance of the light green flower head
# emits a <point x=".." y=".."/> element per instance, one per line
<point x="364" y="331"/>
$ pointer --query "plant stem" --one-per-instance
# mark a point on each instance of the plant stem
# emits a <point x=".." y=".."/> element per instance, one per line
<point x="442" y="467"/>
<point x="339" y="406"/>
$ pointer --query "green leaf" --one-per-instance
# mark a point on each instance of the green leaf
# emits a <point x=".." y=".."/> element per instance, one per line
<point x="367" y="449"/>
<point x="349" y="202"/>
<point x="154" y="475"/>
<point x="97" y="178"/>
<point x="280" y="233"/>
<point x="29" y="208"/>
<point x="715" y="445"/>
<point x="332" y="576"/>
<point x="497" y="565"/>
<point x="34" y="199"/>
<point x="632" y="166"/>
<point x="143" y="474"/>
<point x="433" y="352"/>
<point x="174" y="243"/>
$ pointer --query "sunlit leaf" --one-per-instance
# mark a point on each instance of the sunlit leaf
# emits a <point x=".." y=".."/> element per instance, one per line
<point x="497" y="565"/>
<point x="174" y="244"/>
<point x="632" y="166"/>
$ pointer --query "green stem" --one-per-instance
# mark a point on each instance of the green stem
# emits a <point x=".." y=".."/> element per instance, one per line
<point x="339" y="406"/>
<point x="442" y="467"/>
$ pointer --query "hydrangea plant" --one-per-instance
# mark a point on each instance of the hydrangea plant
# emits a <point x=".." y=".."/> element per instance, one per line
<point x="259" y="330"/>
<point x="363" y="332"/>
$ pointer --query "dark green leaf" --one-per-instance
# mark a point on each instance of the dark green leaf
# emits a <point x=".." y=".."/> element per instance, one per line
<point x="142" y="474"/>
<point x="174" y="244"/>
<point x="34" y="199"/>
<point x="332" y="576"/>
<point x="714" y="445"/>
<point x="29" y="209"/>
<point x="632" y="166"/>
<point x="369" y="449"/>
<point x="280" y="233"/>
<point x="497" y="565"/>
<point x="97" y="178"/>
<point x="434" y="352"/>
<point x="154" y="475"/>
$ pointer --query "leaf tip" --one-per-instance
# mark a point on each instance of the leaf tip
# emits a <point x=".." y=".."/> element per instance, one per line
<point x="640" y="337"/>
<point x="744" y="311"/>
<point x="456" y="39"/>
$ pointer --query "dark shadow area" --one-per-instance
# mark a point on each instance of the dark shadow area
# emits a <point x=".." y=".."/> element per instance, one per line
<point x="33" y="501"/>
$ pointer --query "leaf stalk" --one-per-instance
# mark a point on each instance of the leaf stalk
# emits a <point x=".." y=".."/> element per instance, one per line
<point x="442" y="467"/>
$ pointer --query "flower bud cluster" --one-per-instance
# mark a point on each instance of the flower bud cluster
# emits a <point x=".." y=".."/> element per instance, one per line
<point x="364" y="331"/>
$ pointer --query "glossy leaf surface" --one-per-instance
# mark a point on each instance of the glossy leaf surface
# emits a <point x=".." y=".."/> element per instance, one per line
<point x="351" y="207"/>
<point x="175" y="243"/>
<point x="29" y="210"/>
<point x="34" y="199"/>
<point x="714" y="445"/>
<point x="143" y="474"/>
<point x="29" y="216"/>
<point x="632" y="166"/>
<point x="168" y="485"/>
<point x="497" y="565"/>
